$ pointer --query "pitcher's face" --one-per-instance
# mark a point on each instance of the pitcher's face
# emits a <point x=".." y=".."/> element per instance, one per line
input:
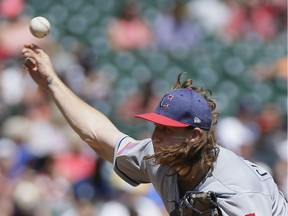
<point x="164" y="136"/>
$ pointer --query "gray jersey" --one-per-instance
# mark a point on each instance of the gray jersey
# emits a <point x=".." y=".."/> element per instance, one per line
<point x="245" y="189"/>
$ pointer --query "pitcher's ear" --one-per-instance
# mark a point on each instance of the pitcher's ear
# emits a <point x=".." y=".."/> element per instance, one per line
<point x="196" y="133"/>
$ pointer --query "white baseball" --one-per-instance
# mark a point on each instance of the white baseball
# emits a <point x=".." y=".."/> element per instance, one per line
<point x="39" y="27"/>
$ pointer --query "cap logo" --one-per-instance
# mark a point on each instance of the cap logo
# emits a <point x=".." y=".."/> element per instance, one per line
<point x="197" y="120"/>
<point x="164" y="103"/>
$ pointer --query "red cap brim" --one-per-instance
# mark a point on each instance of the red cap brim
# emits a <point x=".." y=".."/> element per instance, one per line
<point x="162" y="120"/>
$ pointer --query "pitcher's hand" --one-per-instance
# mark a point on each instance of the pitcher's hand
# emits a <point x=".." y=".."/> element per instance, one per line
<point x="38" y="64"/>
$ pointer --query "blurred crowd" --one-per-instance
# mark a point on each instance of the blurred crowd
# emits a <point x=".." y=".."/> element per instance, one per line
<point x="45" y="169"/>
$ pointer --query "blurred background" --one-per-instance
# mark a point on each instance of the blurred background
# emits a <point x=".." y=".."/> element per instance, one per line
<point x="120" y="57"/>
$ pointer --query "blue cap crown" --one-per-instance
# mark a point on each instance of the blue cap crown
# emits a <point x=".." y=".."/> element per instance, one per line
<point x="182" y="107"/>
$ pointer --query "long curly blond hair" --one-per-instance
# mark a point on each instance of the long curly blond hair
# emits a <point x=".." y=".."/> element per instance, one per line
<point x="186" y="154"/>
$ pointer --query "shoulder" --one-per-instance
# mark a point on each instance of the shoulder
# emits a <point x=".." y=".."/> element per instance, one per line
<point x="229" y="162"/>
<point x="129" y="160"/>
<point x="128" y="145"/>
<point x="239" y="175"/>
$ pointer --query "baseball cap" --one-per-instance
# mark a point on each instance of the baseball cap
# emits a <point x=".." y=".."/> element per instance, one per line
<point x="181" y="107"/>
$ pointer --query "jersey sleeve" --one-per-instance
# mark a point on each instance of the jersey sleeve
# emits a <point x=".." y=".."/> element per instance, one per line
<point x="129" y="162"/>
<point x="244" y="205"/>
<point x="250" y="204"/>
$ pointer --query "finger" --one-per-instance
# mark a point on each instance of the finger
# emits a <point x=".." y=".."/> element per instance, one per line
<point x="29" y="53"/>
<point x="29" y="69"/>
<point x="27" y="49"/>
<point x="33" y="47"/>
<point x="30" y="64"/>
<point x="24" y="50"/>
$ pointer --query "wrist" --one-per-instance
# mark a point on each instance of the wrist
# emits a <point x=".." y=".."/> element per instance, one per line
<point x="50" y="84"/>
